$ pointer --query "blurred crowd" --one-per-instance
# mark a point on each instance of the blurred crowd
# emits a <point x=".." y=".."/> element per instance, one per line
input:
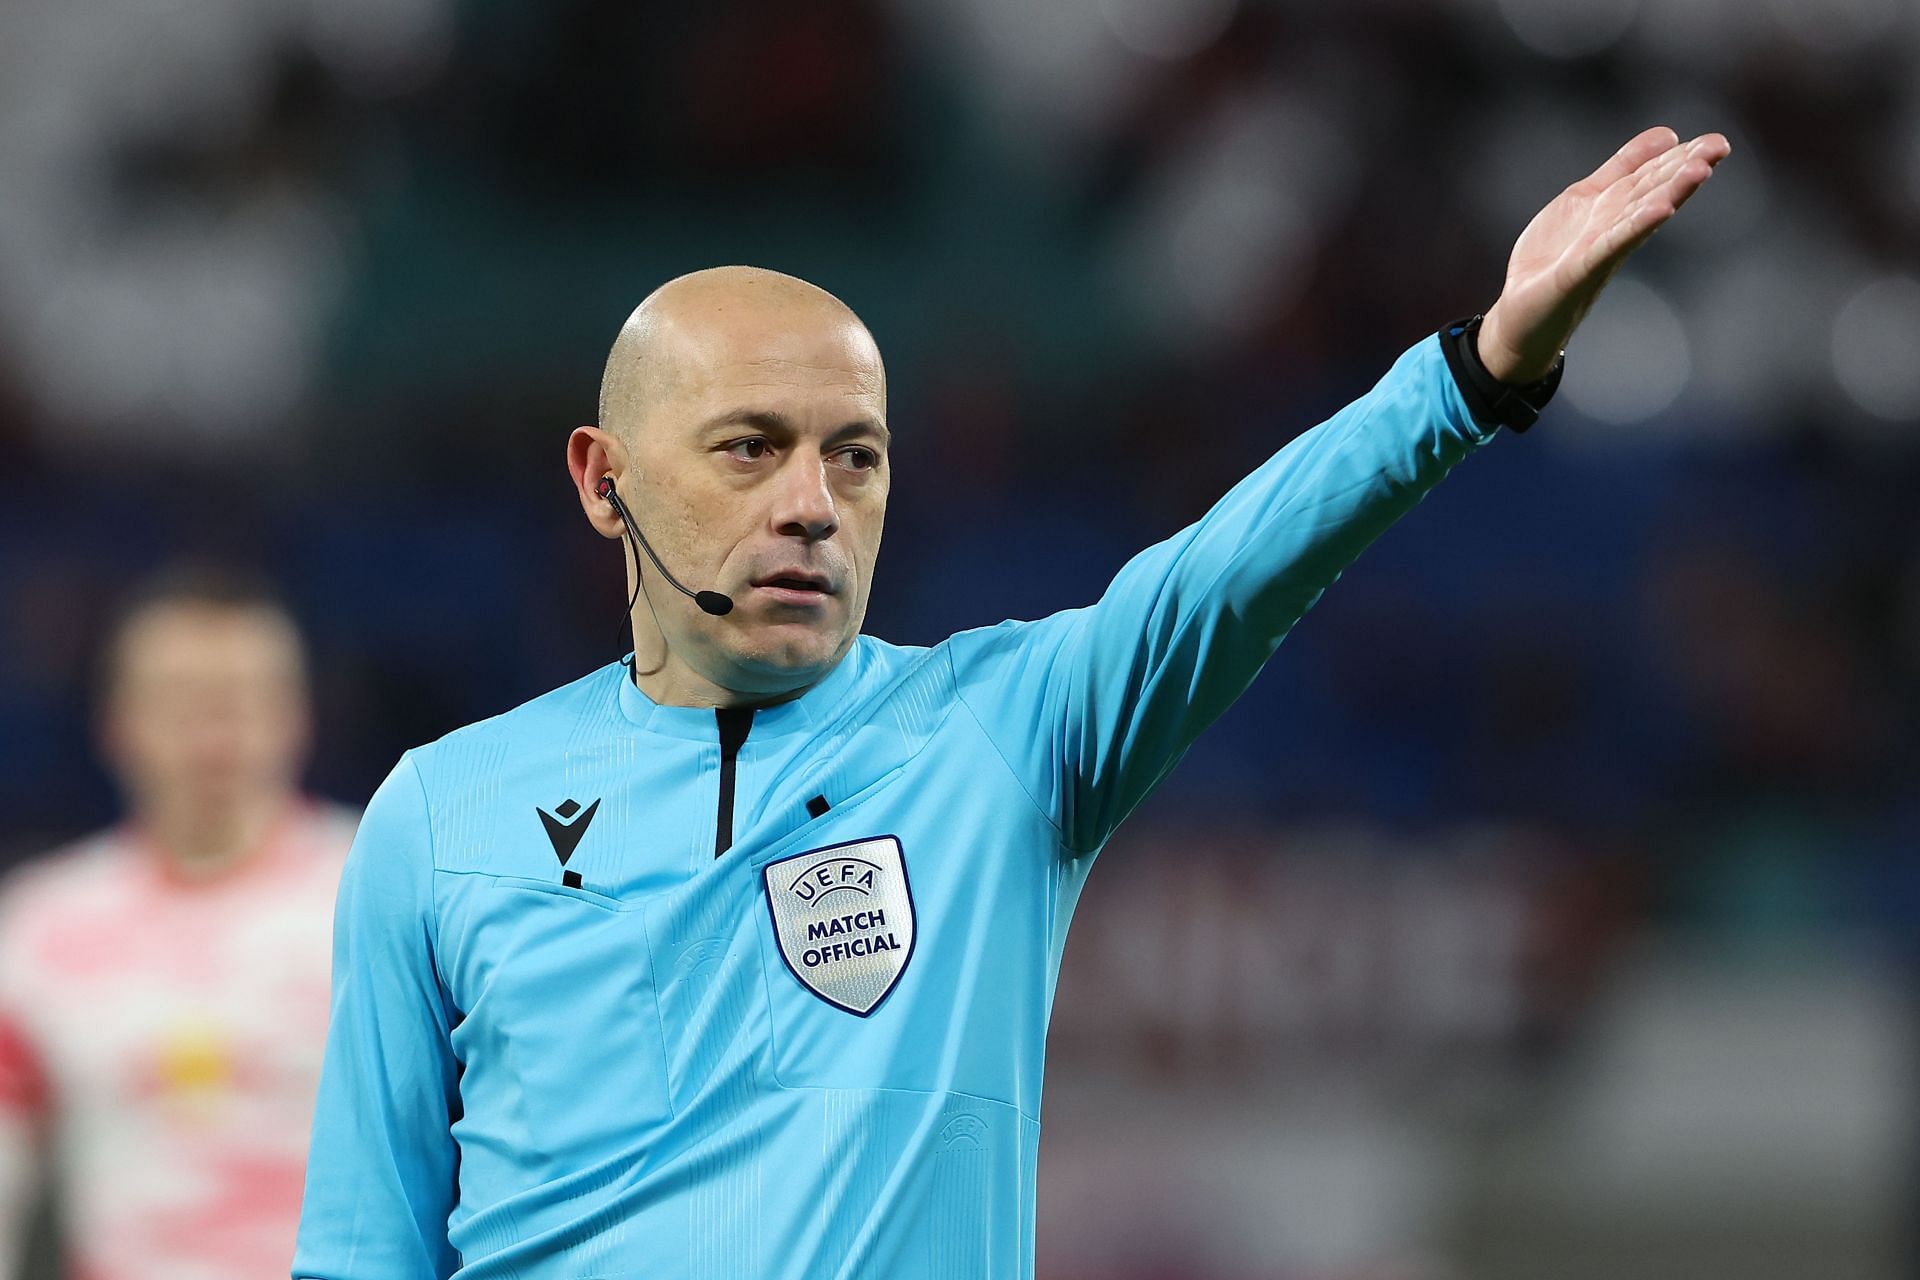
<point x="319" y="288"/>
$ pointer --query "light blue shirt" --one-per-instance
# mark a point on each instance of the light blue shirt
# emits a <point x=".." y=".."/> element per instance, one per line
<point x="818" y="1053"/>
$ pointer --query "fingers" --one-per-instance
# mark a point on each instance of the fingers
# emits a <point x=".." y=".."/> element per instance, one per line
<point x="1714" y="147"/>
<point x="1640" y="149"/>
<point x="1708" y="149"/>
<point x="1651" y="175"/>
<point x="1692" y="176"/>
<point x="1621" y="239"/>
<point x="1625" y="235"/>
<point x="1677" y="187"/>
<point x="1631" y="230"/>
<point x="1679" y="179"/>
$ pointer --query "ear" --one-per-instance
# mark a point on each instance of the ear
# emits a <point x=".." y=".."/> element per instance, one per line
<point x="592" y="453"/>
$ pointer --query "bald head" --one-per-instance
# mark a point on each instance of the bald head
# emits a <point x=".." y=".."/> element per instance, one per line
<point x="679" y="338"/>
<point x="744" y="417"/>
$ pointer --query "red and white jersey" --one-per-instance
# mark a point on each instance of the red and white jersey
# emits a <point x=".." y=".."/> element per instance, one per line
<point x="160" y="1039"/>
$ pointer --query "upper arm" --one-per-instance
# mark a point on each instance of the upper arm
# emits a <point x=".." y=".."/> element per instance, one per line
<point x="382" y="1168"/>
<point x="1094" y="706"/>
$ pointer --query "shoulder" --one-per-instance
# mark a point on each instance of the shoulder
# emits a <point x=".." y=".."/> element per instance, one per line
<point x="886" y="663"/>
<point x="75" y="870"/>
<point x="989" y="654"/>
<point x="897" y="674"/>
<point x="575" y="714"/>
<point x="443" y="797"/>
<point x="591" y="697"/>
<point x="880" y="662"/>
<point x="47" y="891"/>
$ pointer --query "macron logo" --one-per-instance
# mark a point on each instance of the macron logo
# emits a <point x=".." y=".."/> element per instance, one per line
<point x="565" y="830"/>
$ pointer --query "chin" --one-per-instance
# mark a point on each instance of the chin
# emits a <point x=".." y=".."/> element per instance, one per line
<point x="782" y="663"/>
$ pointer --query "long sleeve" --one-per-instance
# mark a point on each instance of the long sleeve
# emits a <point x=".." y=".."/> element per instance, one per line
<point x="382" y="1167"/>
<point x="1092" y="707"/>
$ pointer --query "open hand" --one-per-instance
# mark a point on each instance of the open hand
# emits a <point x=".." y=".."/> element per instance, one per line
<point x="1574" y="245"/>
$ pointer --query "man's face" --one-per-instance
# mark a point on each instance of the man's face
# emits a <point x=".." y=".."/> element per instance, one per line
<point x="208" y="706"/>
<point x="761" y="471"/>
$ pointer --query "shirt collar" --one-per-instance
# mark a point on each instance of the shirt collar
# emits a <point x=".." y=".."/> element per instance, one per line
<point x="808" y="711"/>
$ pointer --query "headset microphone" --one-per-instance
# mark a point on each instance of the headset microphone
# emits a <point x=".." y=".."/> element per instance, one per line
<point x="712" y="601"/>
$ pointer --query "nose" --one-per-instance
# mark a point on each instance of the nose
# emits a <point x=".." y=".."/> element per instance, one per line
<point x="805" y="507"/>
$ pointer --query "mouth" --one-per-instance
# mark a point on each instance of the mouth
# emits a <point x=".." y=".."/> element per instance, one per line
<point x="795" y="587"/>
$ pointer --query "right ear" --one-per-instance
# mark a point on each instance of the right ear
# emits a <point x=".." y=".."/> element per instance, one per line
<point x="592" y="453"/>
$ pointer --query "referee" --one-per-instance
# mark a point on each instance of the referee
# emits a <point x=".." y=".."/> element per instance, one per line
<point x="733" y="961"/>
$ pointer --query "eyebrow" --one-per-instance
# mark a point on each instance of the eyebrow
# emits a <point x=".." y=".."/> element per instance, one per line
<point x="774" y="422"/>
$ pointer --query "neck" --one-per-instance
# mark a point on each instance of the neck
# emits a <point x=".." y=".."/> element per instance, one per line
<point x="202" y="840"/>
<point x="670" y="682"/>
<point x="674" y="686"/>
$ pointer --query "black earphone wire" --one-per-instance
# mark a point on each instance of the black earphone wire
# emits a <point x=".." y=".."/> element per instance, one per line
<point x="630" y="661"/>
<point x="713" y="602"/>
<point x="717" y="603"/>
<point x="631" y="541"/>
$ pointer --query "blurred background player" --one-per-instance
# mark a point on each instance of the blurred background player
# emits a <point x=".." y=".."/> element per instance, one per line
<point x="163" y="983"/>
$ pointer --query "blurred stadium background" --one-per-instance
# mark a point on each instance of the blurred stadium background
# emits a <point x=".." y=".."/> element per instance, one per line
<point x="1547" y="909"/>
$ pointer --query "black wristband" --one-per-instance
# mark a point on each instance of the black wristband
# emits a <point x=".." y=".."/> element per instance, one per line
<point x="1491" y="401"/>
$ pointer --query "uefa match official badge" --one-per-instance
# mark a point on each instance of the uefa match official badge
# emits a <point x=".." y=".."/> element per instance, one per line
<point x="843" y="917"/>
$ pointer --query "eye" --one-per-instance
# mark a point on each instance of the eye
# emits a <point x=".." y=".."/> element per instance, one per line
<point x="860" y="458"/>
<point x="751" y="449"/>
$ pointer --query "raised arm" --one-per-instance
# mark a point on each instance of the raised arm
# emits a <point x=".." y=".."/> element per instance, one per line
<point x="1092" y="707"/>
<point x="382" y="1167"/>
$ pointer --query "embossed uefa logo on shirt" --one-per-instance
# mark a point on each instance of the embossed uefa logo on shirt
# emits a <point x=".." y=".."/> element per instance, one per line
<point x="843" y="916"/>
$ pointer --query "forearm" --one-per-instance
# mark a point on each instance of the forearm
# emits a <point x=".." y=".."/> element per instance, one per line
<point x="1273" y="544"/>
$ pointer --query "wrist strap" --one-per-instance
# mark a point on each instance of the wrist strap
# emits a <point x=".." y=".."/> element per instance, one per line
<point x="1491" y="401"/>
